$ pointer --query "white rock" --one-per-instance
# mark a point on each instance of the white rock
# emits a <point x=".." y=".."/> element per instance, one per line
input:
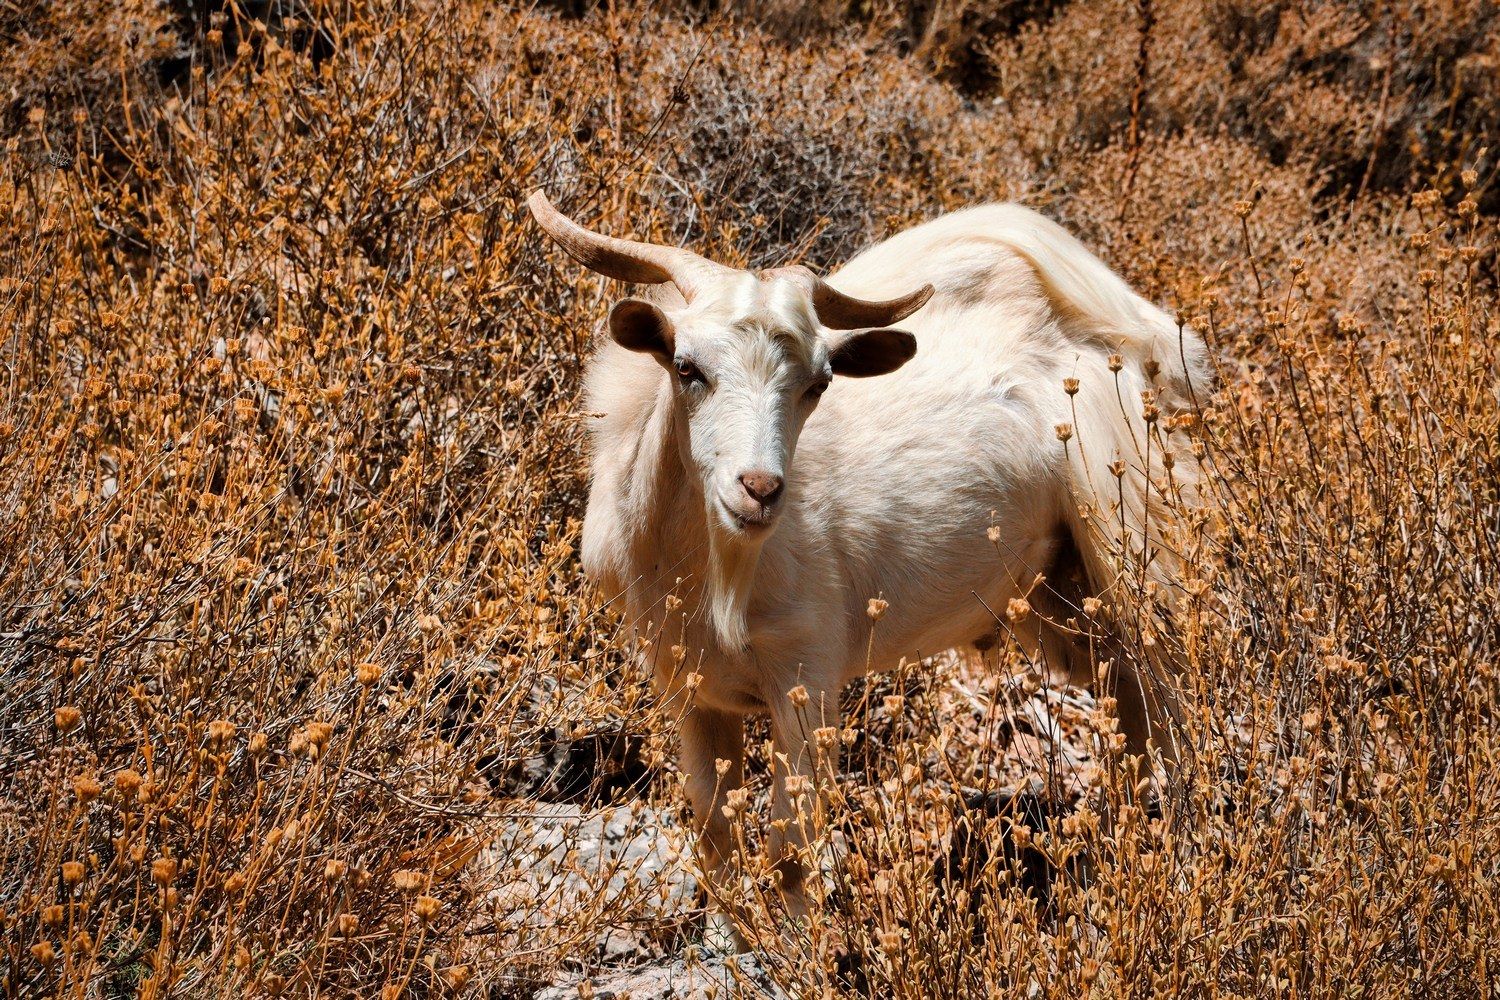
<point x="673" y="979"/>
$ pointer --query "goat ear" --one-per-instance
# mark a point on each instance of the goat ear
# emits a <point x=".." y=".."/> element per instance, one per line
<point x="637" y="325"/>
<point x="862" y="353"/>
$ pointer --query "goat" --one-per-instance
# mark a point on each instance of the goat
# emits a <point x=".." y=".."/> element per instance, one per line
<point x="773" y="453"/>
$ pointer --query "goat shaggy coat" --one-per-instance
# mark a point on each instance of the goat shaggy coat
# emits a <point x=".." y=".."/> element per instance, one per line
<point x="942" y="486"/>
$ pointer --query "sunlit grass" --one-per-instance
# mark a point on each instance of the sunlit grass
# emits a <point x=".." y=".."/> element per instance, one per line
<point x="298" y="668"/>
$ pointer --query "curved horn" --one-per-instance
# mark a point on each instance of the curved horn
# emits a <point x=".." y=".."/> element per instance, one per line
<point x="838" y="311"/>
<point x="623" y="260"/>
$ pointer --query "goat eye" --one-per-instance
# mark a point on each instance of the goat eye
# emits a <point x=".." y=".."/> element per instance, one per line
<point x="817" y="388"/>
<point x="688" y="372"/>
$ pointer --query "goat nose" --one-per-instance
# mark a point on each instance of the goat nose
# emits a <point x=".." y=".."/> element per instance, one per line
<point x="763" y="487"/>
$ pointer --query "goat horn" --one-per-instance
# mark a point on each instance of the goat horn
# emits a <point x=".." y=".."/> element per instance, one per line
<point x="838" y="311"/>
<point x="623" y="260"/>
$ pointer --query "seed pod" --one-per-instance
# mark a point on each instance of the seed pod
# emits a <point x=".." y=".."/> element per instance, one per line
<point x="86" y="788"/>
<point x="164" y="871"/>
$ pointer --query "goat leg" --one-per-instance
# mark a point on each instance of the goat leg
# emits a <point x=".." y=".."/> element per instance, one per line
<point x="804" y="727"/>
<point x="710" y="737"/>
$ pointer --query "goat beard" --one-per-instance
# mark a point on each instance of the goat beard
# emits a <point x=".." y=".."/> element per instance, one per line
<point x="732" y="561"/>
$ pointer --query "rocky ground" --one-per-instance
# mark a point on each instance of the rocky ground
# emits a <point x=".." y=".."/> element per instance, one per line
<point x="628" y="870"/>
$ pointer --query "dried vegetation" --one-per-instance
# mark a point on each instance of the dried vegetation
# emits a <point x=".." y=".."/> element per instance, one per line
<point x="298" y="670"/>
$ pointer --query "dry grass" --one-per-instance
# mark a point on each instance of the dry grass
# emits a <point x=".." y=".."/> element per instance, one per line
<point x="294" y="645"/>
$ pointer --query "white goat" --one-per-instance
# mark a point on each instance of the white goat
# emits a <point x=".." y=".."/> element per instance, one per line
<point x="936" y="485"/>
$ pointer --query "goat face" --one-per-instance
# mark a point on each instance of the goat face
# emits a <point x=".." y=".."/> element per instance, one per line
<point x="748" y="356"/>
<point x="748" y="361"/>
<point x="747" y="371"/>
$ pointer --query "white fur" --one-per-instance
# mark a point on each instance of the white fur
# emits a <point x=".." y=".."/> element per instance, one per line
<point x="892" y="482"/>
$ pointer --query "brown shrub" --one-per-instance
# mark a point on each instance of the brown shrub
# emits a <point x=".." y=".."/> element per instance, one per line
<point x="294" y="646"/>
